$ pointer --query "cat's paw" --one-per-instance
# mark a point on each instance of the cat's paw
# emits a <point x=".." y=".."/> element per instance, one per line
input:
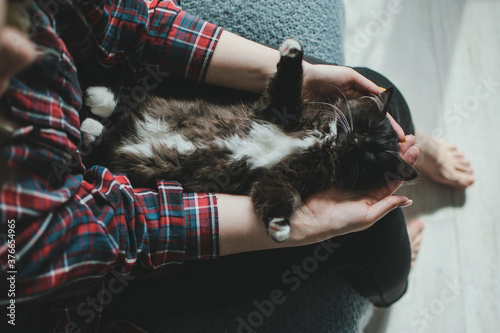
<point x="278" y="229"/>
<point x="290" y="48"/>
<point x="91" y="131"/>
<point x="101" y="101"/>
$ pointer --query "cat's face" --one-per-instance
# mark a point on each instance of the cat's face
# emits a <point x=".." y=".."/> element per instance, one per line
<point x="367" y="145"/>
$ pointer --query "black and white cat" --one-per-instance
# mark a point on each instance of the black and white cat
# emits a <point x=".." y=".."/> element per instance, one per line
<point x="278" y="150"/>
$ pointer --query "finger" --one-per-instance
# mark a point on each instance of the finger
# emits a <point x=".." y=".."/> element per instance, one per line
<point x="397" y="128"/>
<point x="385" y="206"/>
<point x="408" y="142"/>
<point x="390" y="187"/>
<point x="411" y="155"/>
<point x="363" y="85"/>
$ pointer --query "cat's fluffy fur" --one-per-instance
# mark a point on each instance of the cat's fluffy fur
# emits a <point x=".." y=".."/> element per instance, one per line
<point x="279" y="150"/>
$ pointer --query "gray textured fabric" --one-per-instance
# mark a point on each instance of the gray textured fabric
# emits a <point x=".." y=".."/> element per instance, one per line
<point x="318" y="24"/>
<point x="323" y="303"/>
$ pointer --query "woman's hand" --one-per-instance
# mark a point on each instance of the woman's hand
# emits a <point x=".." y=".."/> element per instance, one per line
<point x="324" y="81"/>
<point x="332" y="213"/>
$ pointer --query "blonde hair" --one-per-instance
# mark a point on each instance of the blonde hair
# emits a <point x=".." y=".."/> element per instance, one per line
<point x="17" y="15"/>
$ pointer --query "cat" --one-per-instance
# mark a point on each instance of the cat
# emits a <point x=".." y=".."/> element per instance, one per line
<point x="279" y="150"/>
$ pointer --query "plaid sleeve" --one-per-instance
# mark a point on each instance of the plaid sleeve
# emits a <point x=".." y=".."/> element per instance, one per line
<point x="136" y="34"/>
<point x="74" y="226"/>
<point x="106" y="225"/>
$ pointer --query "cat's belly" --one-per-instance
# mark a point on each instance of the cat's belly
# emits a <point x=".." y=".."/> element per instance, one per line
<point x="263" y="146"/>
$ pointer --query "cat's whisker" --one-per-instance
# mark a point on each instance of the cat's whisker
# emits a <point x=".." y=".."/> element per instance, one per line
<point x="346" y="122"/>
<point x="342" y="126"/>
<point x="331" y="115"/>
<point x="381" y="123"/>
<point x="327" y="115"/>
<point x="336" y="110"/>
<point x="378" y="102"/>
<point x="346" y="102"/>
<point x="342" y="115"/>
<point x="355" y="177"/>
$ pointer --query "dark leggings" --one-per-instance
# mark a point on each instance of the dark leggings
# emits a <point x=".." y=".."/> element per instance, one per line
<point x="375" y="261"/>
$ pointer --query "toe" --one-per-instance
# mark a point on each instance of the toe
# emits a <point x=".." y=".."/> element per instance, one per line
<point x="415" y="228"/>
<point x="466" y="182"/>
<point x="464" y="168"/>
<point x="415" y="233"/>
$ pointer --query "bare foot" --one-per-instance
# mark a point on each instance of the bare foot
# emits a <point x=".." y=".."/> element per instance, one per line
<point x="443" y="162"/>
<point x="415" y="234"/>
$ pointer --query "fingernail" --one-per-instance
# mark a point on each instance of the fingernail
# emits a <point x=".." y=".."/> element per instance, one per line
<point x="406" y="204"/>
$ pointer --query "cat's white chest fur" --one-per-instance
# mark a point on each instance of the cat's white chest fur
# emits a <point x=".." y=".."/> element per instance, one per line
<point x="265" y="145"/>
<point x="154" y="133"/>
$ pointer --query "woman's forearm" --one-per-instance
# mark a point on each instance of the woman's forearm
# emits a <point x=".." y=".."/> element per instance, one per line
<point x="241" y="64"/>
<point x="240" y="230"/>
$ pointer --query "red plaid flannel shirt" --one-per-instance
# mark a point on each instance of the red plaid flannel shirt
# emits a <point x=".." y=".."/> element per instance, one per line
<point x="75" y="227"/>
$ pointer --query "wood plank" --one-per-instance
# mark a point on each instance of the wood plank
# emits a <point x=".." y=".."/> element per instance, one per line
<point x="435" y="296"/>
<point x="444" y="55"/>
<point x="475" y="85"/>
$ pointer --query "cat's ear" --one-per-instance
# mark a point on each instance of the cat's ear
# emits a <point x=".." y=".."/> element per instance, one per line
<point x="385" y="99"/>
<point x="403" y="171"/>
<point x="406" y="171"/>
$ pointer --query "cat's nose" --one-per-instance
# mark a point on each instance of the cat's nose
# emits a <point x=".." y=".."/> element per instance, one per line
<point x="357" y="142"/>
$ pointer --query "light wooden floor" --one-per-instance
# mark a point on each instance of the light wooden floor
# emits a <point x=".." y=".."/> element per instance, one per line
<point x="445" y="57"/>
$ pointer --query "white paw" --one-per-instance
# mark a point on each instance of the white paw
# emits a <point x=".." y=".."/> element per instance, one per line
<point x="290" y="48"/>
<point x="101" y="101"/>
<point x="277" y="230"/>
<point x="91" y="129"/>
